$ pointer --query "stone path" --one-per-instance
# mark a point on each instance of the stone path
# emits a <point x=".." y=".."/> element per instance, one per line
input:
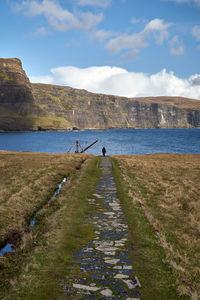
<point x="104" y="270"/>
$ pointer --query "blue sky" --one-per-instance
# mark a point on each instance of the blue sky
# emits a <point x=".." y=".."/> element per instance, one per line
<point x="123" y="47"/>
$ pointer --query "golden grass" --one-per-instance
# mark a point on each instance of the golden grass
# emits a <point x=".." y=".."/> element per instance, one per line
<point x="27" y="181"/>
<point x="168" y="186"/>
<point x="45" y="253"/>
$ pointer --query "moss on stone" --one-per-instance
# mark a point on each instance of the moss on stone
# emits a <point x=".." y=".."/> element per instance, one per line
<point x="5" y="77"/>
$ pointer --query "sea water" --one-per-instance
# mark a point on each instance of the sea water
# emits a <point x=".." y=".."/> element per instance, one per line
<point x="116" y="142"/>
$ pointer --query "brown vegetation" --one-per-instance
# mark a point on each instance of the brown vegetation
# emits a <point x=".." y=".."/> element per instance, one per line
<point x="168" y="186"/>
<point x="181" y="102"/>
<point x="27" y="181"/>
<point x="45" y="252"/>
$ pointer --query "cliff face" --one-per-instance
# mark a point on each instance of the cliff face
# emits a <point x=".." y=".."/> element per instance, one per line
<point x="16" y="98"/>
<point x="26" y="106"/>
<point x="87" y="110"/>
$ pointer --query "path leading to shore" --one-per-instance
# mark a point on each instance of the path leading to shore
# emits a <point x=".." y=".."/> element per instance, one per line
<point x="104" y="270"/>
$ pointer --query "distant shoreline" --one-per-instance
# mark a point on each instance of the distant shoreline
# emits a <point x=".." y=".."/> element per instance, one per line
<point x="95" y="129"/>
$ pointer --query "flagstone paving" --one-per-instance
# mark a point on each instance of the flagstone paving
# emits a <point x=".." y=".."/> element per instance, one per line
<point x="104" y="268"/>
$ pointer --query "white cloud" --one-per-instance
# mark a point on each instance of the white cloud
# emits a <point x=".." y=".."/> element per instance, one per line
<point x="125" y="41"/>
<point x="195" y="79"/>
<point x="60" y="19"/>
<point x="97" y="3"/>
<point x="159" y="29"/>
<point x="176" y="48"/>
<point x="177" y="51"/>
<point x="156" y="28"/>
<point x="102" y="35"/>
<point x="118" y="81"/>
<point x="131" y="55"/>
<point x="156" y="25"/>
<point x="196" y="32"/>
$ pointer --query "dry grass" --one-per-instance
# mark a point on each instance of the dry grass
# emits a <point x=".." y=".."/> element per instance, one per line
<point x="45" y="253"/>
<point x="168" y="186"/>
<point x="181" y="102"/>
<point x="27" y="181"/>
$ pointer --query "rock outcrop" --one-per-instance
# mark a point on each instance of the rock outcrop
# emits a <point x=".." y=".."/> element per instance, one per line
<point x="26" y="106"/>
<point x="17" y="103"/>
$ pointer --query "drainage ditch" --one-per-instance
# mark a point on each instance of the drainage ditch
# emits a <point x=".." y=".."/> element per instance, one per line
<point x="56" y="193"/>
<point x="9" y="246"/>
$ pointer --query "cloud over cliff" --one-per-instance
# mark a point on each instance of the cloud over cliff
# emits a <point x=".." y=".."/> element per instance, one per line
<point x="118" y="81"/>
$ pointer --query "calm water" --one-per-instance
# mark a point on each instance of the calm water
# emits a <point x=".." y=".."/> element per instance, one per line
<point x="131" y="141"/>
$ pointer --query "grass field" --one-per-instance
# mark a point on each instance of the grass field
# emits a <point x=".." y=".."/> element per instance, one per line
<point x="27" y="181"/>
<point x="167" y="187"/>
<point x="45" y="251"/>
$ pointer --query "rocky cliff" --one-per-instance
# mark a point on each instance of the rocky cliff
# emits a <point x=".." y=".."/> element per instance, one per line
<point x="26" y="106"/>
<point x="17" y="103"/>
<point x="88" y="110"/>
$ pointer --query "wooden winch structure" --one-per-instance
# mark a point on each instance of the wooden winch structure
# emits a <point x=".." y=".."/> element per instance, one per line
<point x="78" y="146"/>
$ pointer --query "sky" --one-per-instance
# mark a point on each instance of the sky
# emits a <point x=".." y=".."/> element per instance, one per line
<point x="131" y="48"/>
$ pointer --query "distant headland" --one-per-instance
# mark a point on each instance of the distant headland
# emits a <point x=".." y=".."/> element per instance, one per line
<point x="26" y="106"/>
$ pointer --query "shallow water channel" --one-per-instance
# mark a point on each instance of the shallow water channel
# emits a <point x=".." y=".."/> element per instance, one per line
<point x="56" y="193"/>
<point x="9" y="247"/>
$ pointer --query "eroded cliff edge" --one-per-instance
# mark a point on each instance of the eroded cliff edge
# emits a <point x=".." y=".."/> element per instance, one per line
<point x="17" y="103"/>
<point x="26" y="106"/>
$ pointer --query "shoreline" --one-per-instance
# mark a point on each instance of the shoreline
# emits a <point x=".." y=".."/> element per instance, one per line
<point x="97" y="129"/>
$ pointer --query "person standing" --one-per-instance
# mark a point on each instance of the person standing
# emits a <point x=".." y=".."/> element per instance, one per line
<point x="104" y="151"/>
